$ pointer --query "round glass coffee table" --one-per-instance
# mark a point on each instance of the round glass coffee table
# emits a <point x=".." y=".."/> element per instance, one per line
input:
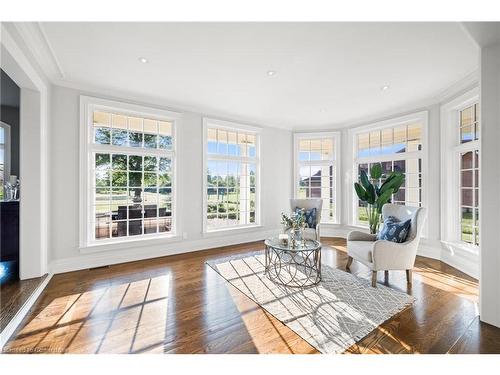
<point x="298" y="266"/>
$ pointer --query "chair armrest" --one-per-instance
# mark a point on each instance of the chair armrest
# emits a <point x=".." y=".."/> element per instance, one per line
<point x="357" y="235"/>
<point x="392" y="255"/>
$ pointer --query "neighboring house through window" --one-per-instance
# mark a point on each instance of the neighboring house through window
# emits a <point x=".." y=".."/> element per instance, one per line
<point x="316" y="171"/>
<point x="397" y="145"/>
<point x="460" y="144"/>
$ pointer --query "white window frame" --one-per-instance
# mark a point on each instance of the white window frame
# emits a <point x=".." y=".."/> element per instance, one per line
<point x="421" y="117"/>
<point x="335" y="136"/>
<point x="87" y="107"/>
<point x="231" y="126"/>
<point x="6" y="148"/>
<point x="451" y="148"/>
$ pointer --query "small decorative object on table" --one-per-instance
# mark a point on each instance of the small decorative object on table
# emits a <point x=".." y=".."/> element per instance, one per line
<point x="295" y="222"/>
<point x="283" y="238"/>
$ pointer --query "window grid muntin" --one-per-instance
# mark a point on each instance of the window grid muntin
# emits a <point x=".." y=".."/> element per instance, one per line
<point x="464" y="147"/>
<point x="375" y="143"/>
<point x="142" y="152"/>
<point x="242" y="167"/>
<point x="472" y="124"/>
<point x="324" y="161"/>
<point x="411" y="149"/>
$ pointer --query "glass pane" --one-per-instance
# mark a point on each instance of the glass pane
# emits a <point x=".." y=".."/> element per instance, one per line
<point x="150" y="163"/>
<point x="466" y="179"/>
<point x="315" y="149"/>
<point x="466" y="160"/>
<point x="165" y="128"/>
<point x="375" y="143"/>
<point x="102" y="119"/>
<point x="363" y="144"/>
<point x="150" y="126"/>
<point x="119" y="122"/>
<point x="135" y="124"/>
<point x="165" y="142"/>
<point x="386" y="168"/>
<point x="326" y="149"/>
<point x="119" y="179"/>
<point x="400" y="139"/>
<point x="251" y="145"/>
<point x="466" y="116"/>
<point x="466" y="133"/>
<point x="400" y="166"/>
<point x="119" y="162"/>
<point x="135" y="163"/>
<point x="150" y="141"/>
<point x="212" y="141"/>
<point x="466" y="196"/>
<point x="119" y="137"/>
<point x="387" y="141"/>
<point x="414" y="137"/>
<point x="102" y="136"/>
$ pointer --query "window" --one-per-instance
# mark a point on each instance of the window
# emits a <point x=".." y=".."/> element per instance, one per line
<point x="468" y="152"/>
<point x="130" y="154"/>
<point x="316" y="174"/>
<point x="396" y="145"/>
<point x="231" y="175"/>
<point x="460" y="144"/>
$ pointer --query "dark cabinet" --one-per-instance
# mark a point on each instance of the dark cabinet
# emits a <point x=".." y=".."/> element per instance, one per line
<point x="9" y="237"/>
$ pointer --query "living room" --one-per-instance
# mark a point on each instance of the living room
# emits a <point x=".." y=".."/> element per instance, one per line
<point x="249" y="187"/>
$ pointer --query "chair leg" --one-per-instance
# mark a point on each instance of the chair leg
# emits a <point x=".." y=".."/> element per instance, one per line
<point x="386" y="276"/>
<point x="349" y="262"/>
<point x="409" y="277"/>
<point x="374" y="279"/>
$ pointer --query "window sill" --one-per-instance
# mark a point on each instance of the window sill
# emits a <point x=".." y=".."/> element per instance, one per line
<point x="464" y="248"/>
<point x="228" y="231"/>
<point x="128" y="243"/>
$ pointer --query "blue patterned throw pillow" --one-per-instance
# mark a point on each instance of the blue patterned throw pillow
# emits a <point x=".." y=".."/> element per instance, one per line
<point x="310" y="216"/>
<point x="394" y="230"/>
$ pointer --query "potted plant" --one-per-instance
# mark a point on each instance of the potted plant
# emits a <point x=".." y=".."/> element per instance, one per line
<point x="376" y="194"/>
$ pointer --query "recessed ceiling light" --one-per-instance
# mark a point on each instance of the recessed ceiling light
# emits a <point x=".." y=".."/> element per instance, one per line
<point x="385" y="88"/>
<point x="271" y="72"/>
<point x="143" y="60"/>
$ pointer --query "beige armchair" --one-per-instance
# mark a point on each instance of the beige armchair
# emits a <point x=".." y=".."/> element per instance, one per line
<point x="381" y="255"/>
<point x="309" y="233"/>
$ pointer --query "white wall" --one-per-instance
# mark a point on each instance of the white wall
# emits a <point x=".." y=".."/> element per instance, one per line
<point x="490" y="185"/>
<point x="20" y="65"/>
<point x="65" y="255"/>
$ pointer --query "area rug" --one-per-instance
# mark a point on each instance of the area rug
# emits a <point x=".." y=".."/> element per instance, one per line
<point x="331" y="316"/>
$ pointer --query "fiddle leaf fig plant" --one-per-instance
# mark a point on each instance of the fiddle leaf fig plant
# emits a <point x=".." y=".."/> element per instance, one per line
<point x="376" y="193"/>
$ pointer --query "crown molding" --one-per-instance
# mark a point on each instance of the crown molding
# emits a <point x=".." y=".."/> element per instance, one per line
<point x="37" y="42"/>
<point x="462" y="85"/>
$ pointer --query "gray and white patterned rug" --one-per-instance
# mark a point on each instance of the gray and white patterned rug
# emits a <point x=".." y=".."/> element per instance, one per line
<point x="331" y="316"/>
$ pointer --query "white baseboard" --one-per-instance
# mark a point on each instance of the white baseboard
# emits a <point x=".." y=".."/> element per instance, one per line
<point x="18" y="318"/>
<point x="106" y="258"/>
<point x="457" y="258"/>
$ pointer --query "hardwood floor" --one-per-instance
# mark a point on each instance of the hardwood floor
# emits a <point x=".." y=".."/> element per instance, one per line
<point x="178" y="304"/>
<point x="13" y="295"/>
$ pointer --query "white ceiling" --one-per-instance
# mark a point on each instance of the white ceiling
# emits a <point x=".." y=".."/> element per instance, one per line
<point x="327" y="74"/>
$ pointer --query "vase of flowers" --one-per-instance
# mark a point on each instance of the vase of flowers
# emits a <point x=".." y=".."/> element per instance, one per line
<point x="294" y="223"/>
